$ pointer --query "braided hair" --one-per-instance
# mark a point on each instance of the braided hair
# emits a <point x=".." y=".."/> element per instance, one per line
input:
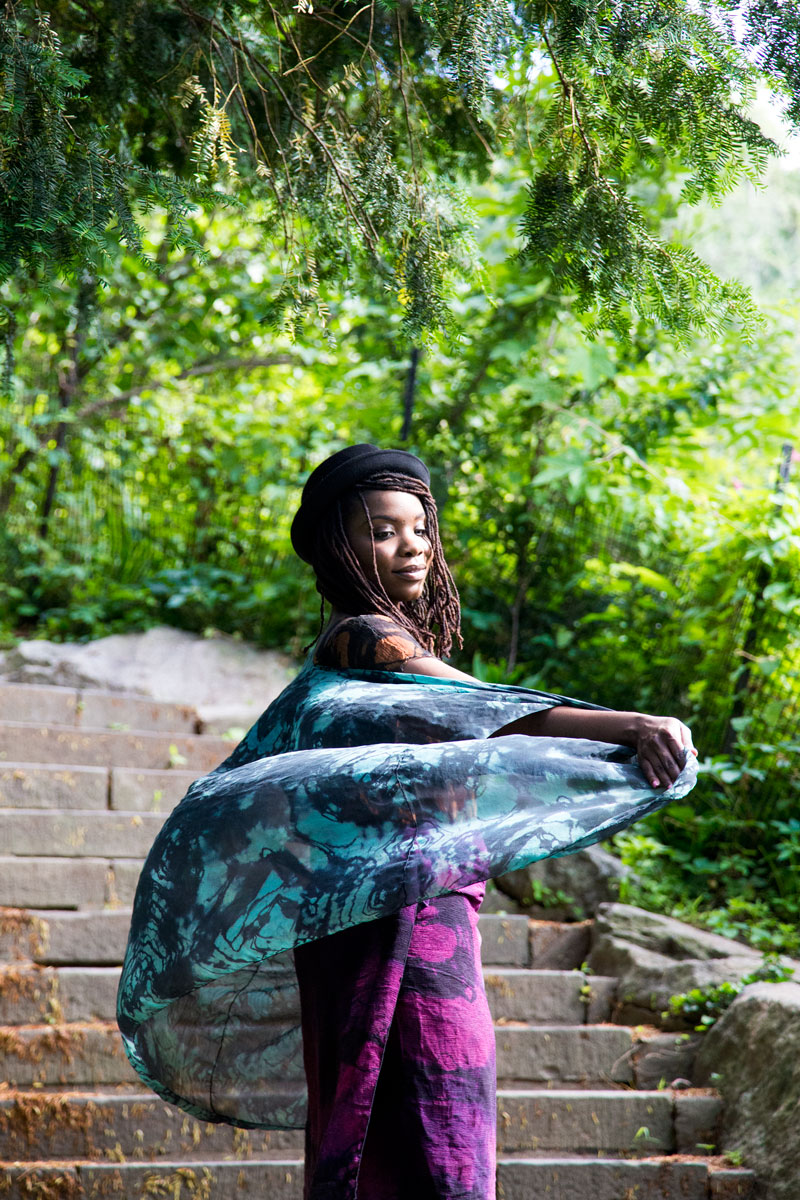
<point x="435" y="618"/>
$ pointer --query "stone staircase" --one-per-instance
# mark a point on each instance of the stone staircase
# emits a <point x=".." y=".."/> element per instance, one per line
<point x="584" y="1106"/>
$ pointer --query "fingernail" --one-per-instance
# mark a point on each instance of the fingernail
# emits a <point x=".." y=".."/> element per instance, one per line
<point x="654" y="782"/>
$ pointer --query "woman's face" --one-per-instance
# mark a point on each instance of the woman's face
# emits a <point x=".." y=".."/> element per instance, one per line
<point x="402" y="550"/>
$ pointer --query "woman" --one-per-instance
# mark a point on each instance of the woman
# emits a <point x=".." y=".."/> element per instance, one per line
<point x="367" y="853"/>
<point x="368" y="527"/>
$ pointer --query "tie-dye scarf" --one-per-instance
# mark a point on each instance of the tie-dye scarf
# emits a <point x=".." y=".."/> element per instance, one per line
<point x="354" y="795"/>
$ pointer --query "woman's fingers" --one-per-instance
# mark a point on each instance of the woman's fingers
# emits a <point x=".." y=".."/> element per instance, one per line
<point x="686" y="739"/>
<point x="660" y="767"/>
<point x="660" y="775"/>
<point x="662" y="750"/>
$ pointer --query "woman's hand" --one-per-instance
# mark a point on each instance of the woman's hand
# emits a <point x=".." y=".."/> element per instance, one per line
<point x="661" y="744"/>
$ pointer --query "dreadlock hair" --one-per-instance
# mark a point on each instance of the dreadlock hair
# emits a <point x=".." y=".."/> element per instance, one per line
<point x="435" y="618"/>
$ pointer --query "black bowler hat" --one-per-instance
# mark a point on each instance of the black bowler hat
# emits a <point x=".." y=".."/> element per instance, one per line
<point x="332" y="478"/>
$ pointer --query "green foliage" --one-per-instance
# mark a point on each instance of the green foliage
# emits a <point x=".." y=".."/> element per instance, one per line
<point x="642" y="83"/>
<point x="720" y="889"/>
<point x="357" y="130"/>
<point x="702" y="1007"/>
<point x="61" y="186"/>
<point x="609" y="508"/>
<point x="543" y="896"/>
<point x="643" y="1134"/>
<point x="773" y="33"/>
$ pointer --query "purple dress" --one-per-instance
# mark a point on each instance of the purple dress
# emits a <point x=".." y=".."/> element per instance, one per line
<point x="398" y="1039"/>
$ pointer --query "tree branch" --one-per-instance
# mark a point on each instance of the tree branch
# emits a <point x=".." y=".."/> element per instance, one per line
<point x="349" y="196"/>
<point x="69" y="386"/>
<point x="210" y="368"/>
<point x="569" y="93"/>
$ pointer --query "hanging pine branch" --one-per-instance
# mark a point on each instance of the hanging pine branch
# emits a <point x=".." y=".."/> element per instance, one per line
<point x="359" y="125"/>
<point x="63" y="191"/>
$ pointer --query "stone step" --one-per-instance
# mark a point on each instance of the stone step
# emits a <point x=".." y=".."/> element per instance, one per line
<point x="549" y="997"/>
<point x="82" y="833"/>
<point x="558" y="1055"/>
<point x="67" y="883"/>
<point x="82" y="1053"/>
<point x="98" y="938"/>
<point x="536" y="1122"/>
<point x="592" y="1056"/>
<point x="40" y="704"/>
<point x="505" y="940"/>
<point x="110" y="748"/>
<point x="170" y="1180"/>
<point x="521" y="1178"/>
<point x="631" y="1123"/>
<point x="52" y="938"/>
<point x="556" y="945"/>
<point x="517" y="1179"/>
<point x="59" y="786"/>
<point x="53" y="787"/>
<point x="33" y="993"/>
<point x="148" y="789"/>
<point x="131" y="1124"/>
<point x="75" y="1056"/>
<point x="518" y="941"/>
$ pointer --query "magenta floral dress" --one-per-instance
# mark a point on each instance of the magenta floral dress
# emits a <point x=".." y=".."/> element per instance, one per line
<point x="398" y="1039"/>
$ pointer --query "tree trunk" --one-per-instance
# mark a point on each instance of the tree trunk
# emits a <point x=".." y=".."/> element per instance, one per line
<point x="69" y="382"/>
<point x="409" y="393"/>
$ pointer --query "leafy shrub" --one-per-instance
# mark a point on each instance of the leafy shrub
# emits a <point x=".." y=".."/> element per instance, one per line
<point x="725" y="894"/>
<point x="701" y="1007"/>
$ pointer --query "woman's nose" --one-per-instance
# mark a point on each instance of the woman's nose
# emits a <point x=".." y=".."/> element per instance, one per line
<point x="412" y="544"/>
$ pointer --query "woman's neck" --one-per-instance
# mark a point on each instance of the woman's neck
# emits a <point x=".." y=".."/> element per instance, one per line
<point x="335" y="618"/>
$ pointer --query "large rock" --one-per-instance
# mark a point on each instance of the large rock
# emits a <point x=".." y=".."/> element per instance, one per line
<point x="229" y="682"/>
<point x="565" y="888"/>
<point x="656" y="957"/>
<point x="752" y="1054"/>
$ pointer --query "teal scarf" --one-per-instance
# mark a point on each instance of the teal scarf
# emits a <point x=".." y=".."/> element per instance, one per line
<point x="355" y="794"/>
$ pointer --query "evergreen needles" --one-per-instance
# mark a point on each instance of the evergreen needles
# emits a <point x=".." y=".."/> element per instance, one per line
<point x="360" y="126"/>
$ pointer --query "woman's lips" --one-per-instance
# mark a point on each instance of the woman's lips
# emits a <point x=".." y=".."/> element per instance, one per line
<point x="413" y="573"/>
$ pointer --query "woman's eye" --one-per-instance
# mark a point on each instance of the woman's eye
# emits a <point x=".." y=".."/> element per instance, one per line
<point x="382" y="534"/>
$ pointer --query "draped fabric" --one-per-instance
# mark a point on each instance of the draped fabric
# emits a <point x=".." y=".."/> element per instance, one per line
<point x="356" y="794"/>
<point x="400" y="1057"/>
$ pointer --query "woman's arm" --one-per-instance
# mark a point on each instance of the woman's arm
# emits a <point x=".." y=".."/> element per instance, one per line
<point x="431" y="665"/>
<point x="660" y="742"/>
